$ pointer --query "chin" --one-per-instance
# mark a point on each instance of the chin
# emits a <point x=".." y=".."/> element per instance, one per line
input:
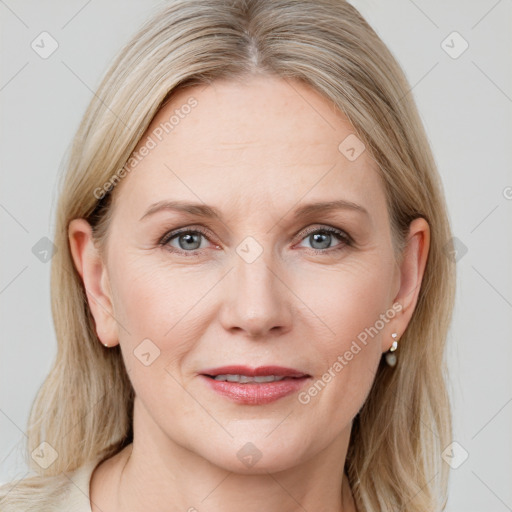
<point x="247" y="454"/>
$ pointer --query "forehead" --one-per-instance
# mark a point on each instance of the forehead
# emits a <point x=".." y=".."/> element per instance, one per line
<point x="256" y="142"/>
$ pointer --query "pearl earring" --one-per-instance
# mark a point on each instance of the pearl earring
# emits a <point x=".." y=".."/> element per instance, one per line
<point x="390" y="356"/>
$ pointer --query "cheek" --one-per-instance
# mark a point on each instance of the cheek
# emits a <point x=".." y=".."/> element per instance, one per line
<point x="155" y="307"/>
<point x="346" y="299"/>
<point x="351" y="304"/>
<point x="152" y="306"/>
<point x="156" y="297"/>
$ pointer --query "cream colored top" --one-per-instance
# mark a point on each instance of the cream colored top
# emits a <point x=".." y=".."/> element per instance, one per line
<point x="66" y="492"/>
<point x="77" y="498"/>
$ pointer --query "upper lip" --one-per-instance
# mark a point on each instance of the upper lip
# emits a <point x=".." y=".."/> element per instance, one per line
<point x="254" y="372"/>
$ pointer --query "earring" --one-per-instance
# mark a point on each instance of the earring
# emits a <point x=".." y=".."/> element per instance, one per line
<point x="105" y="344"/>
<point x="390" y="356"/>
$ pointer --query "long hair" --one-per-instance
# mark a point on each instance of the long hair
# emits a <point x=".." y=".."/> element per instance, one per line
<point x="84" y="407"/>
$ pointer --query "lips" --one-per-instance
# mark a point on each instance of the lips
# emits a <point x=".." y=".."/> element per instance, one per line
<point x="254" y="386"/>
<point x="261" y="371"/>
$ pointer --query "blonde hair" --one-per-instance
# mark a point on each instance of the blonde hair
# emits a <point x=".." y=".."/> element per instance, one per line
<point x="84" y="407"/>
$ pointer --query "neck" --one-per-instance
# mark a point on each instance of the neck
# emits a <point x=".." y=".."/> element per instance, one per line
<point x="154" y="473"/>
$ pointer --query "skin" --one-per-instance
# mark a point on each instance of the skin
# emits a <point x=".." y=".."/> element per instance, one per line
<point x="256" y="149"/>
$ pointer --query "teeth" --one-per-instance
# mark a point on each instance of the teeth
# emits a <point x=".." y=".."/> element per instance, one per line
<point x="244" y="378"/>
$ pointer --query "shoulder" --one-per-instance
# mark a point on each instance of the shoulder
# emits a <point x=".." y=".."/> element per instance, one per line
<point x="66" y="492"/>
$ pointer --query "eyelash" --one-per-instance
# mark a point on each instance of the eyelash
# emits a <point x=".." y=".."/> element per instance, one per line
<point x="342" y="236"/>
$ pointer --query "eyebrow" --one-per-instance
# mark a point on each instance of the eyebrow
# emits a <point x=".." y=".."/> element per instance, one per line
<point x="203" y="210"/>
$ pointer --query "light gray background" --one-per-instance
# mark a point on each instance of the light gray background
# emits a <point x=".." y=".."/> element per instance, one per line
<point x="466" y="106"/>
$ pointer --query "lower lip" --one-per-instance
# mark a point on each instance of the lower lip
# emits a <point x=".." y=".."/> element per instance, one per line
<point x="256" y="393"/>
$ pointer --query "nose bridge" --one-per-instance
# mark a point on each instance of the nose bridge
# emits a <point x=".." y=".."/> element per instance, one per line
<point x="257" y="301"/>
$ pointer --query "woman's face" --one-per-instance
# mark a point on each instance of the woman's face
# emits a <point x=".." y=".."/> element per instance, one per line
<point x="265" y="282"/>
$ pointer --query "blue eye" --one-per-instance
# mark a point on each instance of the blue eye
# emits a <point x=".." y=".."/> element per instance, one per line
<point x="323" y="236"/>
<point x="189" y="241"/>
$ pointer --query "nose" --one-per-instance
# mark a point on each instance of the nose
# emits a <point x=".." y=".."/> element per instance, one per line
<point x="257" y="300"/>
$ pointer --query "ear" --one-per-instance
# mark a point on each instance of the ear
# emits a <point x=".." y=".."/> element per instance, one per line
<point x="93" y="272"/>
<point x="411" y="274"/>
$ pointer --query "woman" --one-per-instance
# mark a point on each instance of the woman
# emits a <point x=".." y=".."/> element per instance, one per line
<point x="292" y="358"/>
